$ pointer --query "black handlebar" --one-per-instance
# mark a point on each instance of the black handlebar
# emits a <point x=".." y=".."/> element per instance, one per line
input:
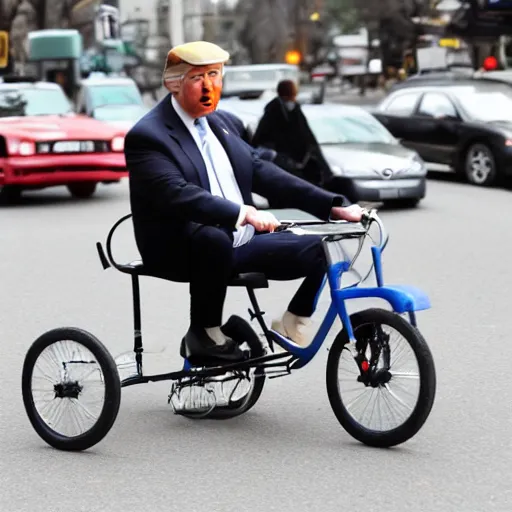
<point x="106" y="263"/>
<point x="108" y="259"/>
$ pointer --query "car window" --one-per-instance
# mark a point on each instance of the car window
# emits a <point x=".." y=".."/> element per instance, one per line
<point x="403" y="104"/>
<point x="108" y="94"/>
<point x="33" y="102"/>
<point x="333" y="128"/>
<point x="435" y="104"/>
<point x="486" y="102"/>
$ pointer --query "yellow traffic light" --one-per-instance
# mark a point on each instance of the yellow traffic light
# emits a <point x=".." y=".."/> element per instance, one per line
<point x="315" y="16"/>
<point x="4" y="49"/>
<point x="293" y="57"/>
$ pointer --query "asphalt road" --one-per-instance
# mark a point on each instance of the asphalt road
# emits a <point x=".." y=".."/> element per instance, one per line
<point x="288" y="453"/>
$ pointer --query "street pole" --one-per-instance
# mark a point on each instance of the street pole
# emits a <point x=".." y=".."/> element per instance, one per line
<point x="176" y="22"/>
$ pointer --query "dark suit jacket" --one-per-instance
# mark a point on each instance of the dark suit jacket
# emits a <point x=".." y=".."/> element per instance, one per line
<point x="169" y="187"/>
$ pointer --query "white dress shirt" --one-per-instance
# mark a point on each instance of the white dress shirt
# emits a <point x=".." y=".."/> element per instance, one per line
<point x="223" y="172"/>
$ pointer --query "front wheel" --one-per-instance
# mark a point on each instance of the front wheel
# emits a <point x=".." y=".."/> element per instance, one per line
<point x="9" y="194"/>
<point x="382" y="396"/>
<point x="480" y="165"/>
<point x="82" y="190"/>
<point x="71" y="389"/>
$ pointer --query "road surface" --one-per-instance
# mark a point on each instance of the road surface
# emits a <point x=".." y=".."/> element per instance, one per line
<point x="289" y="453"/>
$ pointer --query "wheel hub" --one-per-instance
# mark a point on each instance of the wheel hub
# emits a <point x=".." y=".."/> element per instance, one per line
<point x="67" y="390"/>
<point x="380" y="378"/>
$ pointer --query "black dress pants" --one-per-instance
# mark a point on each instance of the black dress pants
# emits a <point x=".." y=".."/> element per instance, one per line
<point x="281" y="256"/>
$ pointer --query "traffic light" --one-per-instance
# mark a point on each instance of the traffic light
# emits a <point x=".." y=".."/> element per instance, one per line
<point x="490" y="63"/>
<point x="4" y="49"/>
<point x="293" y="57"/>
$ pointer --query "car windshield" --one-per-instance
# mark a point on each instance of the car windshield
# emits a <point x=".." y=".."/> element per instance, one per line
<point x="33" y="102"/>
<point x="114" y="95"/>
<point x="352" y="128"/>
<point x="487" y="103"/>
<point x="119" y="112"/>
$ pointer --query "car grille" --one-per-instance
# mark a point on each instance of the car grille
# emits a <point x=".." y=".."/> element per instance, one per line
<point x="66" y="147"/>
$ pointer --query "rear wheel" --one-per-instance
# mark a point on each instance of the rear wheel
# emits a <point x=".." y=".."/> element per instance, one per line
<point x="82" y="190"/>
<point x="379" y="397"/>
<point x="71" y="389"/>
<point x="239" y="393"/>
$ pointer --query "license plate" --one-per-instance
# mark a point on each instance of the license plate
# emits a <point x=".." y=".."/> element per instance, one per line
<point x="389" y="193"/>
<point x="71" y="146"/>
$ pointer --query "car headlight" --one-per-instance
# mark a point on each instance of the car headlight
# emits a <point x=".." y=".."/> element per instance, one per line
<point x="21" y="147"/>
<point x="351" y="172"/>
<point x="117" y="144"/>
<point x="418" y="165"/>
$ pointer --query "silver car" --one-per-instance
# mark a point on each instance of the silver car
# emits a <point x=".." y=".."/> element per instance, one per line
<point x="366" y="161"/>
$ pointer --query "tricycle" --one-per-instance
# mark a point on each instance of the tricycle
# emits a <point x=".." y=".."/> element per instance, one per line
<point x="71" y="384"/>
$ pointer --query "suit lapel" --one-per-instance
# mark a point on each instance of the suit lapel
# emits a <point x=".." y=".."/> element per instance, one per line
<point x="228" y="142"/>
<point x="178" y="131"/>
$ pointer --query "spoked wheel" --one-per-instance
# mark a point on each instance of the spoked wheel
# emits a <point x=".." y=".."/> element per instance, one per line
<point x="71" y="389"/>
<point x="228" y="395"/>
<point x="383" y="396"/>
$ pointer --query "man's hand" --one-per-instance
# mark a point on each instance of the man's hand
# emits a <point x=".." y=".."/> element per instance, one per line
<point x="261" y="220"/>
<point x="352" y="213"/>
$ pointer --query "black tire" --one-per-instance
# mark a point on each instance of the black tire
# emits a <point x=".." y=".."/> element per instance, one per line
<point x="112" y="383"/>
<point x="239" y="329"/>
<point x="472" y="175"/>
<point x="403" y="203"/>
<point x="9" y="194"/>
<point x="82" y="190"/>
<point x="427" y="388"/>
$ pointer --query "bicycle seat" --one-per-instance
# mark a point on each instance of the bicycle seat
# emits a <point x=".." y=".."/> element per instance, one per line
<point x="247" y="280"/>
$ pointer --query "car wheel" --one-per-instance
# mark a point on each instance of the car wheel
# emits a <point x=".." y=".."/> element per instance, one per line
<point x="9" y="194"/>
<point x="403" y="203"/>
<point x="480" y="165"/>
<point x="82" y="190"/>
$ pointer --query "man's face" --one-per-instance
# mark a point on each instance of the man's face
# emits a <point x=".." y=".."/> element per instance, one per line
<point x="200" y="90"/>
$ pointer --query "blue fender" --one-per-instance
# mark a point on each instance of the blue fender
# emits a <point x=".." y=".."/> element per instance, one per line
<point x="402" y="298"/>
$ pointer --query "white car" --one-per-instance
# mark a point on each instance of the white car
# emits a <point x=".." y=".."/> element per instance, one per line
<point x="115" y="100"/>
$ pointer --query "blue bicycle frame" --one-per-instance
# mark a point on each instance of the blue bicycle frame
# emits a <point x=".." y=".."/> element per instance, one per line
<point x="402" y="298"/>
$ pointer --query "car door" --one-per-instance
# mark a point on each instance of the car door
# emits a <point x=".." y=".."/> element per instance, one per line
<point x="396" y="114"/>
<point x="441" y="125"/>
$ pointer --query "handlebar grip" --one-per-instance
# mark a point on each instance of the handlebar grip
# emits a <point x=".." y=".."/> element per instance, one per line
<point x="103" y="259"/>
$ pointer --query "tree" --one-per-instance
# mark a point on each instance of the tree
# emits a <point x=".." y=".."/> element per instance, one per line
<point x="265" y="32"/>
<point x="343" y="14"/>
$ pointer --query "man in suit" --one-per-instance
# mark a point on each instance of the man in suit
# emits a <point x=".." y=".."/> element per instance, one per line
<point x="191" y="178"/>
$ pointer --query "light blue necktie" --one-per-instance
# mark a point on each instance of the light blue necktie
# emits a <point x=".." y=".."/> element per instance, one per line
<point x="200" y="123"/>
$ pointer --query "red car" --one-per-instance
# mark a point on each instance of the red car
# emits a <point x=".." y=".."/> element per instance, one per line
<point x="43" y="143"/>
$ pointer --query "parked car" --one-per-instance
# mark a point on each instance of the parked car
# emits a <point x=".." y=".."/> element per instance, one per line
<point x="366" y="161"/>
<point x="115" y="100"/>
<point x="463" y="123"/>
<point x="43" y="143"/>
